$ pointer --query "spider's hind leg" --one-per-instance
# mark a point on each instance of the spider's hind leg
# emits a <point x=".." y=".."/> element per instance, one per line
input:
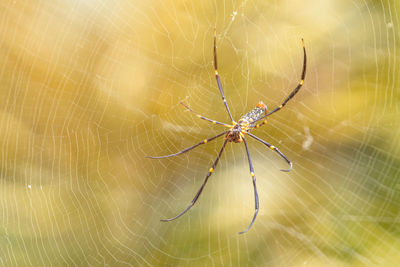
<point x="217" y="76"/>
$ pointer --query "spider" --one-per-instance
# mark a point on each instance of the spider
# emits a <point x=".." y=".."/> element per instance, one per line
<point x="237" y="132"/>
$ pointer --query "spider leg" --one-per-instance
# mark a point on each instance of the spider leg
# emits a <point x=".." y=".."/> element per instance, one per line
<point x="275" y="149"/>
<point x="189" y="148"/>
<point x="217" y="76"/>
<point x="204" y="118"/>
<point x="294" y="92"/>
<point x="261" y="124"/>
<point x="254" y="185"/>
<point x="202" y="186"/>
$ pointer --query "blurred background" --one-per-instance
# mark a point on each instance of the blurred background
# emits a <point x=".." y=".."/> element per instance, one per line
<point x="88" y="88"/>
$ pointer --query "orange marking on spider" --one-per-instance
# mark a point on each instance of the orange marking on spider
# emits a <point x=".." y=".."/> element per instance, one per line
<point x="261" y="105"/>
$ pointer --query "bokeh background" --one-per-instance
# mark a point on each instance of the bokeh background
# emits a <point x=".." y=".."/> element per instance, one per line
<point x="88" y="88"/>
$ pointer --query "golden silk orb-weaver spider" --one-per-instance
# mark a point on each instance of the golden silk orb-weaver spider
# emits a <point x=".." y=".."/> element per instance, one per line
<point x="237" y="132"/>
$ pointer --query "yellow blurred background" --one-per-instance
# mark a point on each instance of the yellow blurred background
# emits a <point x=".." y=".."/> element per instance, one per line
<point x="88" y="88"/>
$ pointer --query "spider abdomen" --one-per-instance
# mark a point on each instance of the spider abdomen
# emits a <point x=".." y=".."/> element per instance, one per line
<point x="247" y="121"/>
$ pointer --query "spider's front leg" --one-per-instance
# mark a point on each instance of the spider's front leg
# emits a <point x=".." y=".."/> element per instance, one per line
<point x="253" y="176"/>
<point x="196" y="197"/>
<point x="205" y="141"/>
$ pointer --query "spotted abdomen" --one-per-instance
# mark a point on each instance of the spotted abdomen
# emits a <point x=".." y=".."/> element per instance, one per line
<point x="247" y="121"/>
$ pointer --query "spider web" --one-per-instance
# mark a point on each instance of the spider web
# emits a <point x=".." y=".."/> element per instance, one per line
<point x="88" y="88"/>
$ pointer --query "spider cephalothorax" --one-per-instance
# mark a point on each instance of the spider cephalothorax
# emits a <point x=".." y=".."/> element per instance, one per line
<point x="237" y="133"/>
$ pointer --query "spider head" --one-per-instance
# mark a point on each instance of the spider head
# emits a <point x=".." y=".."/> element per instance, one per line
<point x="261" y="105"/>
